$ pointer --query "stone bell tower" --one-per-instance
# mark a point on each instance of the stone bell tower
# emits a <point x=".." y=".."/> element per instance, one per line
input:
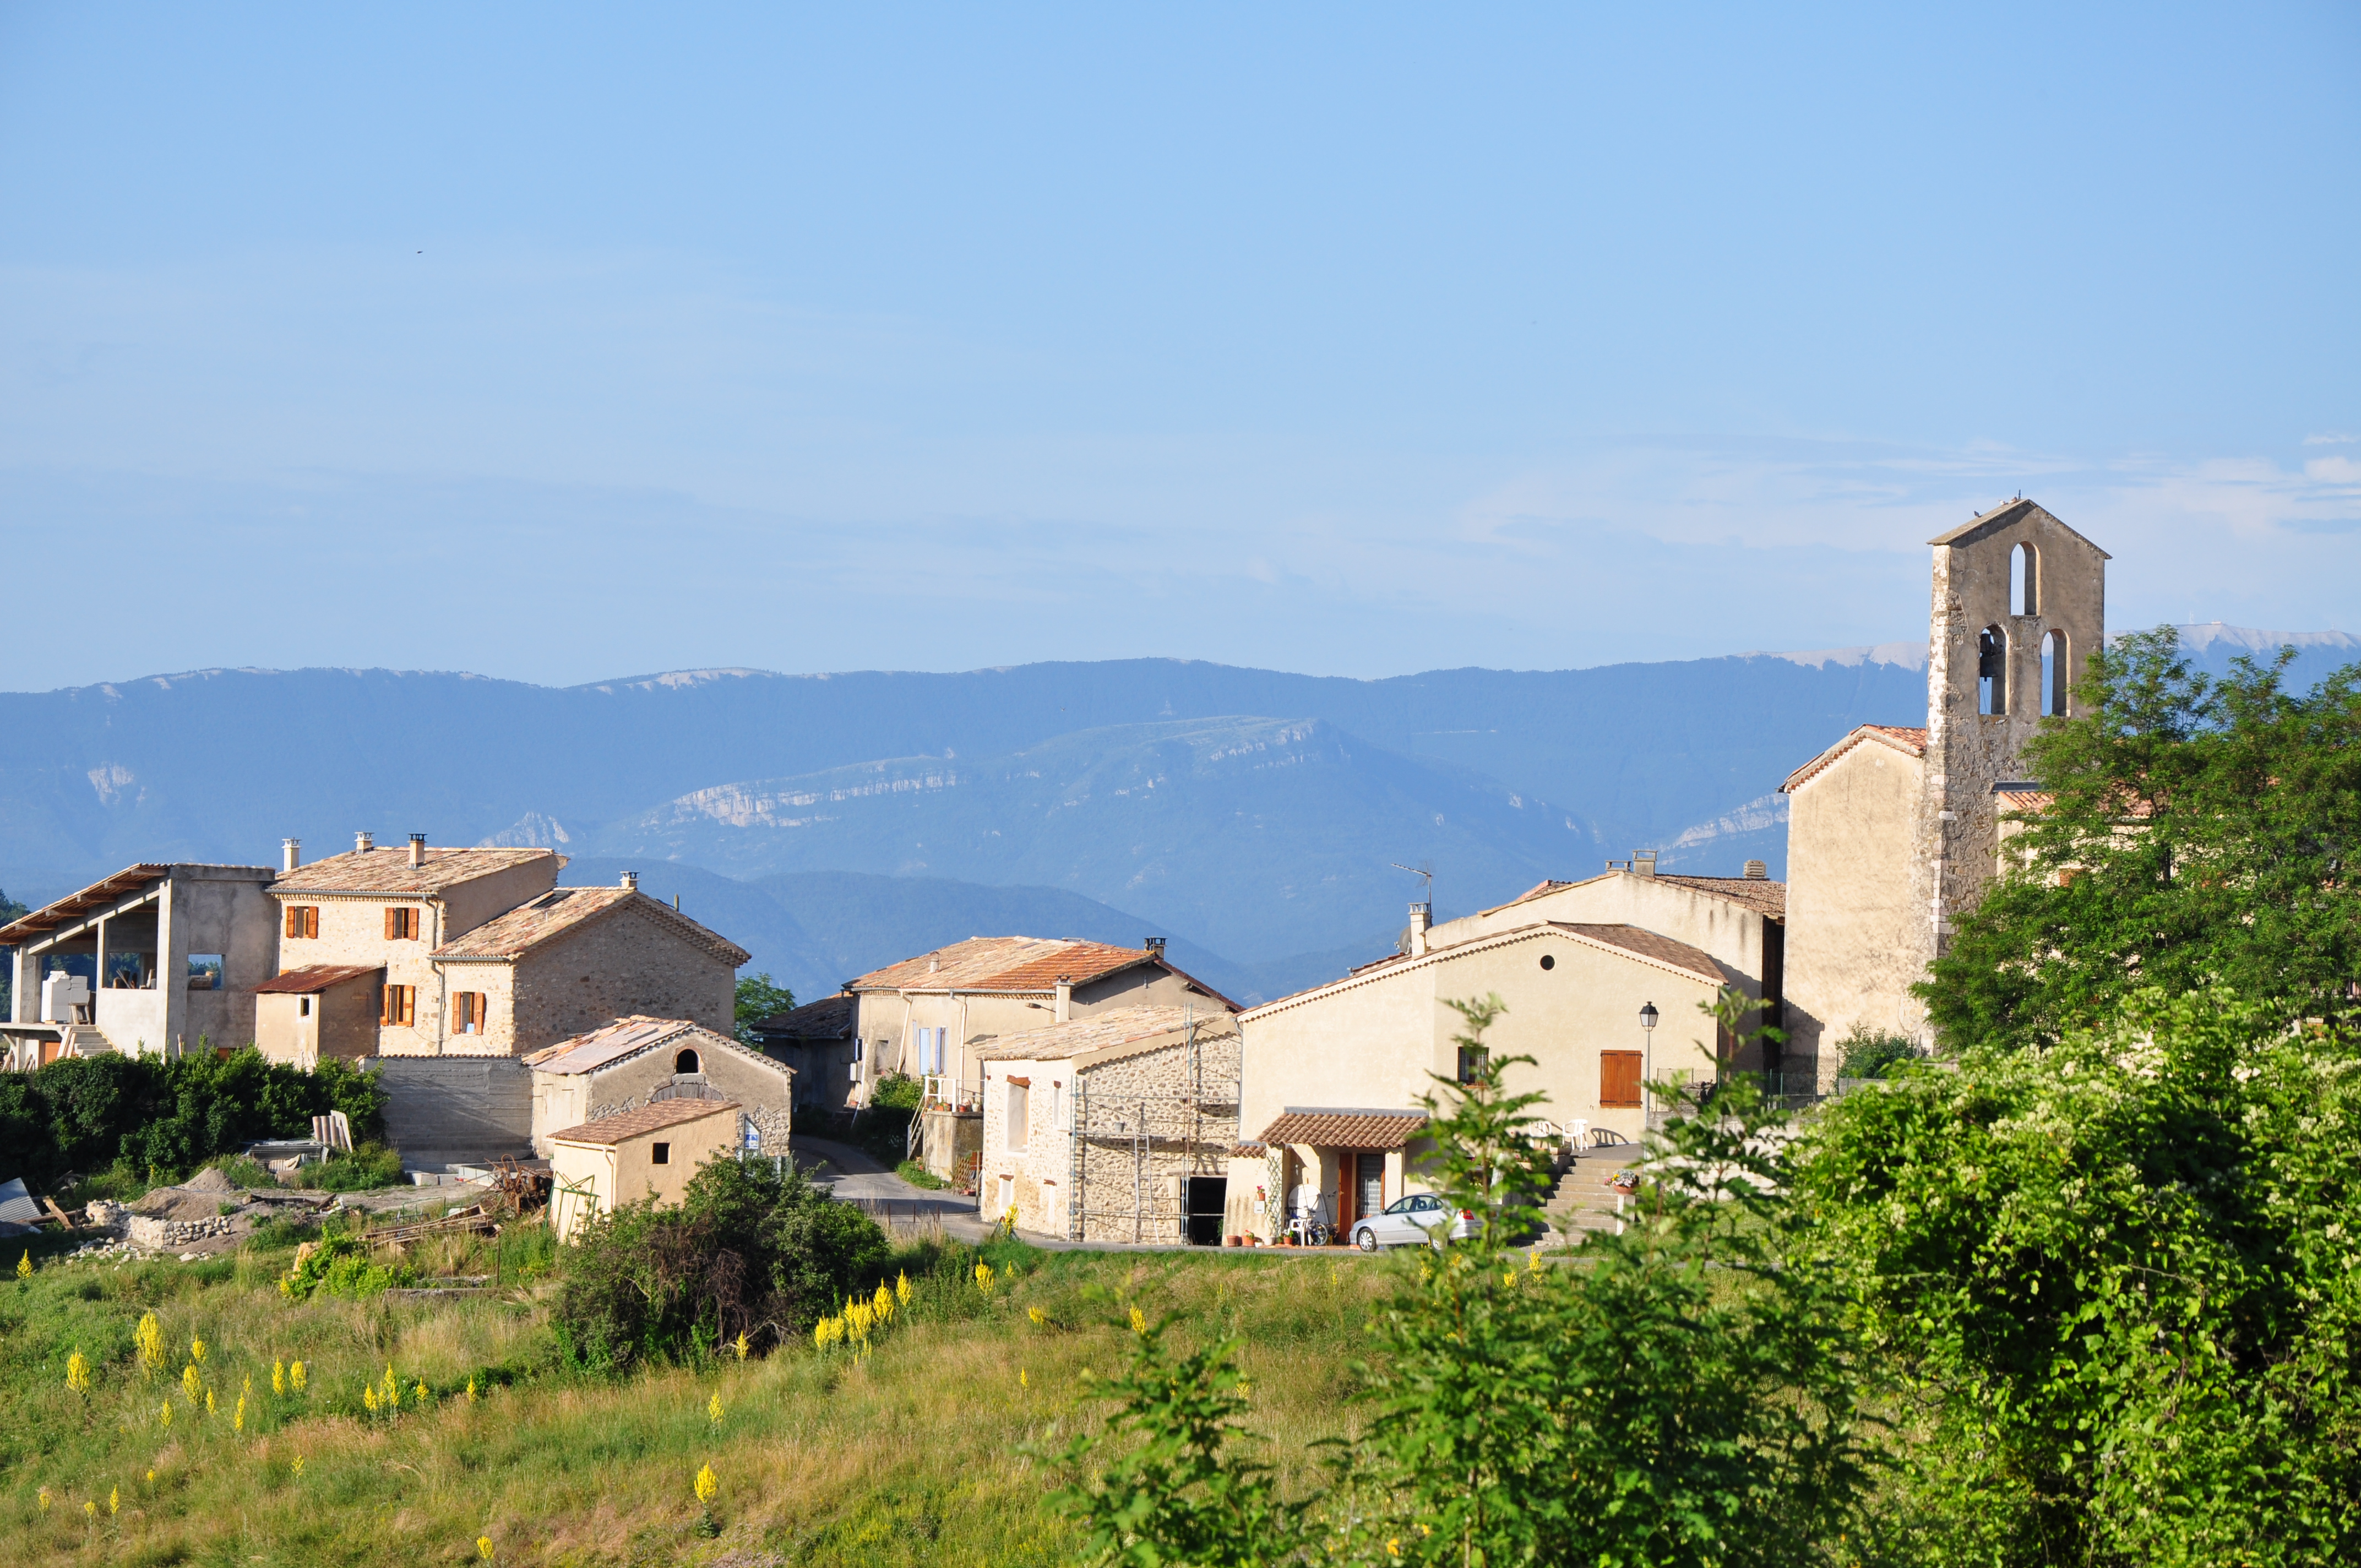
<point x="2019" y="607"/>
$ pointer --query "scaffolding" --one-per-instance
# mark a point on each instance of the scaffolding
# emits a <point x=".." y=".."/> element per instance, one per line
<point x="1165" y="1138"/>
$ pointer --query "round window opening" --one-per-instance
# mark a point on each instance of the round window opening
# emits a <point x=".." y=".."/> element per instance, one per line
<point x="1548" y="961"/>
<point x="684" y="1062"/>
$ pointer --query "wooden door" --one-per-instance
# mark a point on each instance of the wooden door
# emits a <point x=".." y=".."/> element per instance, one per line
<point x="1619" y="1079"/>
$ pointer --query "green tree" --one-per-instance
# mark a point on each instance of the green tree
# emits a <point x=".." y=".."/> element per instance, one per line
<point x="2198" y="833"/>
<point x="2117" y="1281"/>
<point x="759" y="999"/>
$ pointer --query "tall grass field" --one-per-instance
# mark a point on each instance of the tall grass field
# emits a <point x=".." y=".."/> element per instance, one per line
<point x="451" y="1429"/>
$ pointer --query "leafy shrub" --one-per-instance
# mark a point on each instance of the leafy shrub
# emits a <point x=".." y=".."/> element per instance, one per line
<point x="1868" y="1053"/>
<point x="752" y="1249"/>
<point x="896" y="1091"/>
<point x="365" y="1168"/>
<point x="247" y="1173"/>
<point x="88" y="1112"/>
<point x="340" y="1265"/>
<point x="918" y="1175"/>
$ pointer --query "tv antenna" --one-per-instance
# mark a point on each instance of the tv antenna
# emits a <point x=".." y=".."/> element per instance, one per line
<point x="1423" y="869"/>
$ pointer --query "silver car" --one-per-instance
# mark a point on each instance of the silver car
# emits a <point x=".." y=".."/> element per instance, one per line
<point x="1419" y="1220"/>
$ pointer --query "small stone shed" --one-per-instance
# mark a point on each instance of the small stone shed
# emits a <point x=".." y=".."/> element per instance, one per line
<point x="648" y="1153"/>
<point x="635" y="1063"/>
<point x="1113" y="1127"/>
<point x="319" y="1009"/>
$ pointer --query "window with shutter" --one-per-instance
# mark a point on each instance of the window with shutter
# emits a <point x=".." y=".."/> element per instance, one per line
<point x="1619" y="1078"/>
<point x="311" y="920"/>
<point x="400" y="1004"/>
<point x="302" y="920"/>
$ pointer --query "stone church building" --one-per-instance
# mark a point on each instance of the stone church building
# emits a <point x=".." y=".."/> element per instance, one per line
<point x="1893" y="831"/>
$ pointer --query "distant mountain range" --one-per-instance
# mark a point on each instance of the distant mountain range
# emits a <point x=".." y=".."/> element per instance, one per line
<point x="833" y="823"/>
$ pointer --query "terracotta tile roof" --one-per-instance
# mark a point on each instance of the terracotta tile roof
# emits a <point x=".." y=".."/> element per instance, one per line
<point x="1758" y="893"/>
<point x="608" y="1131"/>
<point x="563" y="911"/>
<point x="1902" y="738"/>
<point x="1649" y="944"/>
<point x="1099" y="1031"/>
<point x="389" y="872"/>
<point x="1345" y="1129"/>
<point x="1002" y="963"/>
<point x="1250" y="1150"/>
<point x="829" y="1018"/>
<point x="313" y="979"/>
<point x="1631" y="940"/>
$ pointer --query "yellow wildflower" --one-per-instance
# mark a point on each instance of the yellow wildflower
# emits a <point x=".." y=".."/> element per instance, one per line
<point x="984" y="1277"/>
<point x="708" y="1484"/>
<point x="238" y="1421"/>
<point x="1245" y="1390"/>
<point x="298" y="1465"/>
<point x="471" y="1387"/>
<point x="25" y="1265"/>
<point x="78" y="1373"/>
<point x="209" y="1401"/>
<point x="1393" y="1547"/>
<point x="191" y="1382"/>
<point x="115" y="1500"/>
<point x="392" y="1388"/>
<point x="45" y="1499"/>
<point x="152" y="1475"/>
<point x="149" y="1338"/>
<point x="1022" y="1380"/>
<point x="902" y="1288"/>
<point x="197" y="1350"/>
<point x="740" y="1345"/>
<point x="1533" y="1261"/>
<point x="713" y="1408"/>
<point x="369" y="1397"/>
<point x="91" y="1509"/>
<point x="295" y="1376"/>
<point x="883" y="1304"/>
<point x="287" y="1288"/>
<point x="484" y="1547"/>
<point x="418" y="1395"/>
<point x="859" y="1320"/>
<point x="1040" y="1319"/>
<point x="1138" y="1322"/>
<point x="165" y="1415"/>
<point x="278" y="1378"/>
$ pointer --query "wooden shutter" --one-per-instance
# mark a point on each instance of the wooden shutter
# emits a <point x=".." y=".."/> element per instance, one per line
<point x="311" y="920"/>
<point x="294" y="919"/>
<point x="408" y="1004"/>
<point x="392" y="924"/>
<point x="1619" y="1078"/>
<point x="390" y="1013"/>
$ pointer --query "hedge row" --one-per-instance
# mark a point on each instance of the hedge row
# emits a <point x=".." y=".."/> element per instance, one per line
<point x="84" y="1114"/>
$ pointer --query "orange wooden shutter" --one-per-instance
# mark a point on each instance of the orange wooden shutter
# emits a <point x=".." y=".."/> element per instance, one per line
<point x="391" y="930"/>
<point x="408" y="1004"/>
<point x="386" y="1013"/>
<point x="311" y="920"/>
<point x="294" y="919"/>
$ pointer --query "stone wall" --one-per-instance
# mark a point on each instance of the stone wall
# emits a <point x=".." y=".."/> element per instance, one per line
<point x="146" y="1231"/>
<point x="1108" y="1201"/>
<point x="619" y="964"/>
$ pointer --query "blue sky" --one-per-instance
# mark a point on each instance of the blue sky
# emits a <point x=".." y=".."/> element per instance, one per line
<point x="568" y="343"/>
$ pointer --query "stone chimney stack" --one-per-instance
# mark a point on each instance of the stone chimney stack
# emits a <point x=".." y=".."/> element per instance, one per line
<point x="1644" y="862"/>
<point x="1757" y="871"/>
<point x="1421" y="917"/>
<point x="418" y="849"/>
<point x="1154" y="945"/>
<point x="631" y="881"/>
<point x="1065" y="1000"/>
<point x="290" y="855"/>
<point x="363" y="843"/>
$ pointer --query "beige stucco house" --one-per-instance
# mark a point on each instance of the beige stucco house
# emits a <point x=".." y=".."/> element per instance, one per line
<point x="928" y="1017"/>
<point x="1117" y="1126"/>
<point x="1359" y="1053"/>
<point x="648" y="1153"/>
<point x="475" y="952"/>
<point x="635" y="1063"/>
<point x="1893" y="832"/>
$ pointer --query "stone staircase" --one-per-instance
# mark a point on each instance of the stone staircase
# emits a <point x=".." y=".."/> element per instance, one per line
<point x="84" y="1040"/>
<point x="1582" y="1200"/>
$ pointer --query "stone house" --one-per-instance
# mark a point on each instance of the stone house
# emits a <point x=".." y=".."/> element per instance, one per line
<point x="648" y="1153"/>
<point x="152" y="960"/>
<point x="1357" y="1055"/>
<point x="1893" y="831"/>
<point x="475" y="953"/>
<point x="816" y="1041"/>
<point x="636" y="1062"/>
<point x="1116" y="1126"/>
<point x="929" y="1015"/>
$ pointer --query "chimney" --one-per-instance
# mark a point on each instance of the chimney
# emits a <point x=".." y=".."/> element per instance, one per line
<point x="1154" y="945"/>
<point x="1757" y="871"/>
<point x="1422" y="915"/>
<point x="418" y="849"/>
<point x="290" y="855"/>
<point x="631" y="881"/>
<point x="1644" y="862"/>
<point x="363" y="843"/>
<point x="1065" y="1000"/>
<point x="934" y="963"/>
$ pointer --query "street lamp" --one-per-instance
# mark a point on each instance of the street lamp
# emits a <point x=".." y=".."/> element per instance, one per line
<point x="1647" y="1062"/>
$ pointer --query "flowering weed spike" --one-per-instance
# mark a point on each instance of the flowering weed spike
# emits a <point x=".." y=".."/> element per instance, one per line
<point x="418" y="1395"/>
<point x="484" y="1547"/>
<point x="165" y="1415"/>
<point x="984" y="1277"/>
<point x="238" y="1421"/>
<point x="708" y="1484"/>
<point x="78" y="1372"/>
<point x="114" y="1499"/>
<point x="45" y="1499"/>
<point x="25" y="1265"/>
<point x="902" y="1288"/>
<point x="1138" y="1322"/>
<point x="278" y="1378"/>
<point x="713" y="1408"/>
<point x="740" y="1346"/>
<point x="197" y="1350"/>
<point x="209" y="1401"/>
<point x="191" y="1382"/>
<point x="298" y="1465"/>
<point x="471" y="1387"/>
<point x="150" y="1337"/>
<point x="295" y="1376"/>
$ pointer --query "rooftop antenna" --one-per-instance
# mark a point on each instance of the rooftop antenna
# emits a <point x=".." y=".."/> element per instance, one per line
<point x="1423" y="869"/>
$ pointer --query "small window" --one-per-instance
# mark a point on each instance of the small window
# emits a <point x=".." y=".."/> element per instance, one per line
<point x="2025" y="580"/>
<point x="303" y="921"/>
<point x="1548" y="961"/>
<point x="661" y="1155"/>
<point x="1619" y="1079"/>
<point x="1019" y="1095"/>
<point x="402" y="923"/>
<point x="468" y="1013"/>
<point x="1472" y="1061"/>
<point x="206" y="972"/>
<point x="2054" y="673"/>
<point x="401" y="1005"/>
<point x="684" y="1062"/>
<point x="302" y="1007"/>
